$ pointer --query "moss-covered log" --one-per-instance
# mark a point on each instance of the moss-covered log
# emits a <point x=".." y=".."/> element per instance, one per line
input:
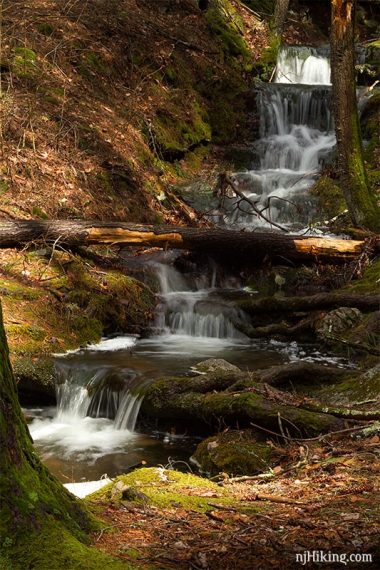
<point x="306" y="373"/>
<point x="196" y="400"/>
<point x="223" y="243"/>
<point x="41" y="524"/>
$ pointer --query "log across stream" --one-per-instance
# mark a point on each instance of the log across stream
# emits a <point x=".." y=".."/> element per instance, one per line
<point x="226" y="243"/>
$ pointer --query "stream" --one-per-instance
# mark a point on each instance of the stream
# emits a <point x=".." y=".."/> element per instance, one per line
<point x="94" y="429"/>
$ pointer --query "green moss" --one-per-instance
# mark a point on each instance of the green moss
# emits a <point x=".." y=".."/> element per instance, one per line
<point x="39" y="213"/>
<point x="368" y="282"/>
<point x="225" y="23"/>
<point x="4" y="186"/>
<point x="352" y="390"/>
<point x="167" y="488"/>
<point x="330" y="197"/>
<point x="54" y="547"/>
<point x="174" y="133"/>
<point x="267" y="62"/>
<point x="91" y="64"/>
<point x="233" y="452"/>
<point x="24" y="63"/>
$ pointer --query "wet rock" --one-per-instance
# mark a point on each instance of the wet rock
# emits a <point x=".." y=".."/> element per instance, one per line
<point x="338" y="322"/>
<point x="214" y="365"/>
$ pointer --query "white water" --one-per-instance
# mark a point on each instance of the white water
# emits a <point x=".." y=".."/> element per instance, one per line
<point x="96" y="409"/>
<point x="187" y="312"/>
<point x="304" y="65"/>
<point x="98" y="406"/>
<point x="296" y="139"/>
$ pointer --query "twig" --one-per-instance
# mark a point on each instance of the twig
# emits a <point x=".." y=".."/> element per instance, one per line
<point x="275" y="499"/>
<point x="280" y="426"/>
<point x="230" y="182"/>
<point x="317" y="438"/>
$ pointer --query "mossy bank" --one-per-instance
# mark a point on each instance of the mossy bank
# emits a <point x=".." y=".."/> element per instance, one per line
<point x="55" y="301"/>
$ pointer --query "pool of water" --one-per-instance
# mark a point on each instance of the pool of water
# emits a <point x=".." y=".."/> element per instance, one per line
<point x="77" y="447"/>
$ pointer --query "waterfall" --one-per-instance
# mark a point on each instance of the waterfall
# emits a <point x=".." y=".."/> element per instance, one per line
<point x="296" y="139"/>
<point x="103" y="393"/>
<point x="303" y="64"/>
<point x="189" y="308"/>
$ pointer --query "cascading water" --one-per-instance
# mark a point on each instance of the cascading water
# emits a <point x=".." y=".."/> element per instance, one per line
<point x="98" y="396"/>
<point x="187" y="310"/>
<point x="296" y="138"/>
<point x="102" y="393"/>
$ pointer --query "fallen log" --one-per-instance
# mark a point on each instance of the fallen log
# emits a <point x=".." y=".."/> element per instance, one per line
<point x="278" y="305"/>
<point x="250" y="246"/>
<point x="229" y="398"/>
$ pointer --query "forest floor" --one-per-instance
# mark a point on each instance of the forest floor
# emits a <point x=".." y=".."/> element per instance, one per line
<point x="326" y="498"/>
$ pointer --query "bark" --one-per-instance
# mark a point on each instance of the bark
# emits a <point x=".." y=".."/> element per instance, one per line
<point x="360" y="201"/>
<point x="305" y="373"/>
<point x="236" y="245"/>
<point x="41" y="524"/>
<point x="278" y="305"/>
<point x="279" y="17"/>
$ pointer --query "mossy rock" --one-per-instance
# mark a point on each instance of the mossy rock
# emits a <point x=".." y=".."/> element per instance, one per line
<point x="226" y="24"/>
<point x="176" y="131"/>
<point x="24" y="63"/>
<point x="234" y="453"/>
<point x="215" y="365"/>
<point x="35" y="379"/>
<point x="338" y="323"/>
<point x="355" y="390"/>
<point x="166" y="488"/>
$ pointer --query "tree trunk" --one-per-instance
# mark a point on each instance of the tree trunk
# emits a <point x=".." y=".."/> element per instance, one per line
<point x="41" y="524"/>
<point x="279" y="17"/>
<point x="232" y="244"/>
<point x="361" y="203"/>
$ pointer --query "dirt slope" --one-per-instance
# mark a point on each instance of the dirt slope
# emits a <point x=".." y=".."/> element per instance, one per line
<point x="100" y="98"/>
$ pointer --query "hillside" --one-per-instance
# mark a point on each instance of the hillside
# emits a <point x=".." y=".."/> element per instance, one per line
<point x="101" y="100"/>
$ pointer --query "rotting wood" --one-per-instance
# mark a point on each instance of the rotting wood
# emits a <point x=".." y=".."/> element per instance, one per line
<point x="222" y="243"/>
